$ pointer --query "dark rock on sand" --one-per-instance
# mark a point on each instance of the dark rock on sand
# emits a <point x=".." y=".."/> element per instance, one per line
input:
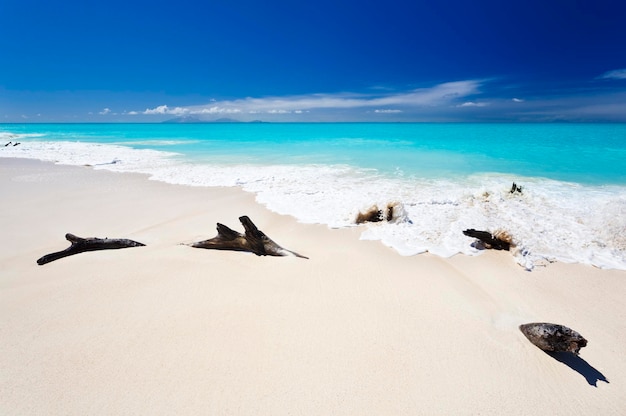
<point x="553" y="337"/>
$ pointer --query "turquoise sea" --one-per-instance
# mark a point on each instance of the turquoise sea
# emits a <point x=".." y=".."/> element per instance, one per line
<point x="442" y="178"/>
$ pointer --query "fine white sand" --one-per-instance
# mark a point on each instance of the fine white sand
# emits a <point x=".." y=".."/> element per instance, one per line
<point x="354" y="330"/>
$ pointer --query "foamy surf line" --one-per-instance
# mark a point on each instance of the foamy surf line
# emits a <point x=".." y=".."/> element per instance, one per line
<point x="548" y="221"/>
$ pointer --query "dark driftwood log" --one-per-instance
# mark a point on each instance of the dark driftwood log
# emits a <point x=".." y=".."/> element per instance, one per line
<point x="374" y="214"/>
<point x="254" y="241"/>
<point x="488" y="239"/>
<point x="515" y="188"/>
<point x="80" y="245"/>
<point x="553" y="337"/>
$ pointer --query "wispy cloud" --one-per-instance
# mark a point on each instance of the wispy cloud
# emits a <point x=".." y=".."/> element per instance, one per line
<point x="615" y="74"/>
<point x="472" y="104"/>
<point x="179" y="111"/>
<point x="105" y="111"/>
<point x="164" y="109"/>
<point x="438" y="95"/>
<point x="475" y="100"/>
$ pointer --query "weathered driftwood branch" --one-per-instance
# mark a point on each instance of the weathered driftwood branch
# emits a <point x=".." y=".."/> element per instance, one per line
<point x="254" y="241"/>
<point x="553" y="337"/>
<point x="515" y="188"/>
<point x="375" y="214"/>
<point x="80" y="245"/>
<point x="500" y="241"/>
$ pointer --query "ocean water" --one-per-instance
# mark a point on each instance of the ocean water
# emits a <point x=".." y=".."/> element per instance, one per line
<point x="441" y="178"/>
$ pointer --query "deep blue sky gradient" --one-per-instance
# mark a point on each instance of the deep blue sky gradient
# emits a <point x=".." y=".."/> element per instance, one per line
<point x="113" y="60"/>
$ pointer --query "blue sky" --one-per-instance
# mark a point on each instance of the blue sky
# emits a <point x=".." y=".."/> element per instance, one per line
<point x="446" y="60"/>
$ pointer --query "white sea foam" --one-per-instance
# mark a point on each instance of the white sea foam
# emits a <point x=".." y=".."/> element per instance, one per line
<point x="548" y="221"/>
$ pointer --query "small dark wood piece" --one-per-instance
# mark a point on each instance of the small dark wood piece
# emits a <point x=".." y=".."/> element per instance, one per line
<point x="80" y="245"/>
<point x="371" y="215"/>
<point x="374" y="214"/>
<point x="488" y="239"/>
<point x="553" y="337"/>
<point x="254" y="241"/>
<point x="515" y="188"/>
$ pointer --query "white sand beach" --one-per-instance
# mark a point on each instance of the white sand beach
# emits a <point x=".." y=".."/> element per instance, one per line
<point x="354" y="330"/>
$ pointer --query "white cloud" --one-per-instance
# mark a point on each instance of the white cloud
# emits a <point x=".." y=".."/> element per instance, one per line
<point x="178" y="111"/>
<point x="615" y="74"/>
<point x="387" y="111"/>
<point x="517" y="100"/>
<point x="105" y="111"/>
<point x="438" y="95"/>
<point x="214" y="110"/>
<point x="472" y="104"/>
<point x="164" y="109"/>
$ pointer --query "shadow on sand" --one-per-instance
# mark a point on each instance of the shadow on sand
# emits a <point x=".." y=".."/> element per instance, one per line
<point x="579" y="365"/>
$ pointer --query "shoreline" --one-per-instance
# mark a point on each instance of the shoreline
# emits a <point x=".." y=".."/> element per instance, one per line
<point x="588" y="233"/>
<point x="356" y="329"/>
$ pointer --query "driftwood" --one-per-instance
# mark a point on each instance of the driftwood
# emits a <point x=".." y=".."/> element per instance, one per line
<point x="498" y="241"/>
<point x="515" y="188"/>
<point x="374" y="214"/>
<point x="553" y="337"/>
<point x="80" y="245"/>
<point x="254" y="241"/>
